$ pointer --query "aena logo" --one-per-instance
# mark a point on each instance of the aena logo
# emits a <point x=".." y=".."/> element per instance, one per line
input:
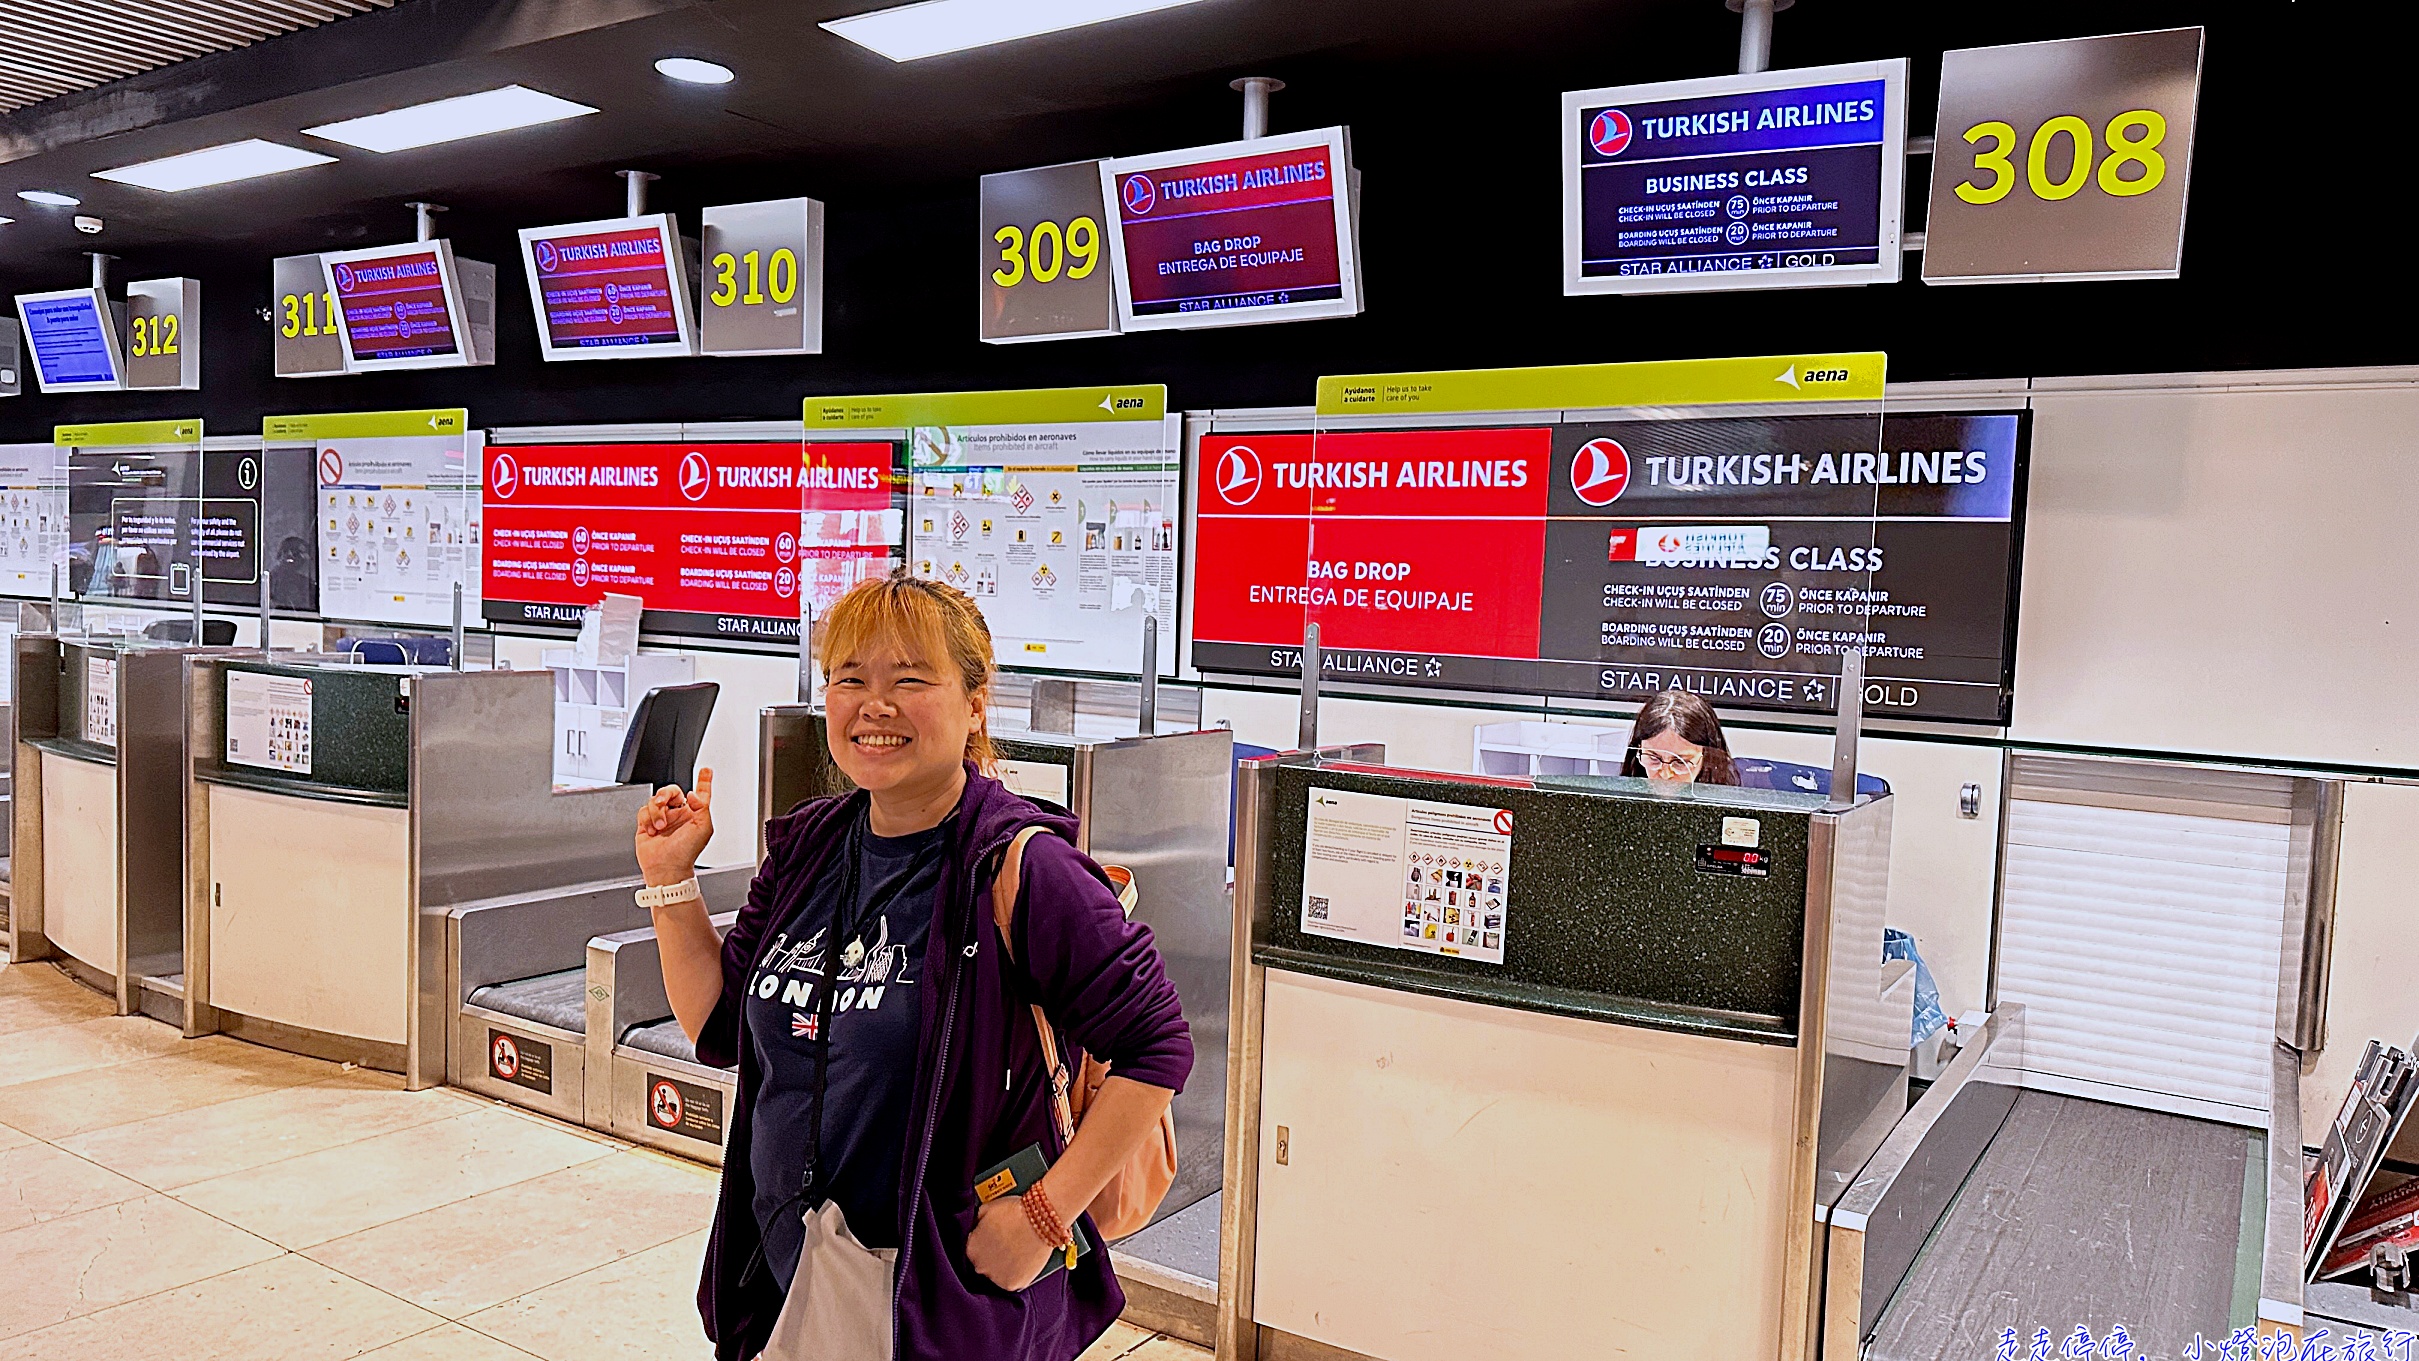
<point x="1600" y="472"/>
<point x="1609" y="133"/>
<point x="1140" y="194"/>
<point x="504" y="477"/>
<point x="696" y="475"/>
<point x="1239" y="475"/>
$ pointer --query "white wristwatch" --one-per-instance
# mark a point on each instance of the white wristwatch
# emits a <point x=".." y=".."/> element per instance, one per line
<point x="686" y="891"/>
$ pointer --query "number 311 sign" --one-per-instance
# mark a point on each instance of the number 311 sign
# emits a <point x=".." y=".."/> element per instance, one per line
<point x="2063" y="160"/>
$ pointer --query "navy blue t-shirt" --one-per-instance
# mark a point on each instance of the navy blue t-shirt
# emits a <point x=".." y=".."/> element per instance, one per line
<point x="871" y="1078"/>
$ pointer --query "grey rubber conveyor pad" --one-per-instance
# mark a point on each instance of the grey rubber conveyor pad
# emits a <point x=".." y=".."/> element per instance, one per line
<point x="2080" y="1213"/>
<point x="555" y="999"/>
<point x="665" y="1037"/>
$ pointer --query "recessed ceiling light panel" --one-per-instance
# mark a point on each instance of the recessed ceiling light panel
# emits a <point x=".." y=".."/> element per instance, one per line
<point x="214" y="165"/>
<point x="694" y="72"/>
<point x="909" y="32"/>
<point x="451" y="120"/>
<point x="49" y="198"/>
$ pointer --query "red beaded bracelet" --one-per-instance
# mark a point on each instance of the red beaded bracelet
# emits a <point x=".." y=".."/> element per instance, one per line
<point x="1043" y="1216"/>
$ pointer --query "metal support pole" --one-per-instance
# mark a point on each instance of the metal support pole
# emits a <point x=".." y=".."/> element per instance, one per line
<point x="1148" y="716"/>
<point x="1256" y="90"/>
<point x="54" y="597"/>
<point x="457" y="626"/>
<point x="424" y="220"/>
<point x="635" y="202"/>
<point x="100" y="269"/>
<point x="806" y="655"/>
<point x="1308" y="735"/>
<point x="200" y="596"/>
<point x="1755" y="32"/>
<point x="264" y="607"/>
<point x="1843" y="737"/>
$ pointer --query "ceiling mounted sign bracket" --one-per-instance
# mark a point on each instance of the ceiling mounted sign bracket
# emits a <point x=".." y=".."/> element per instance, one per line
<point x="635" y="201"/>
<point x="1755" y="32"/>
<point x="424" y="219"/>
<point x="100" y="269"/>
<point x="1255" y="91"/>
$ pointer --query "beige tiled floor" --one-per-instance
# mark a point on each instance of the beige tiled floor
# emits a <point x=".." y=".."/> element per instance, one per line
<point x="210" y="1199"/>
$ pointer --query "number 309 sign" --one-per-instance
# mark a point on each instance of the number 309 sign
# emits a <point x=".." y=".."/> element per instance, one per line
<point x="2063" y="160"/>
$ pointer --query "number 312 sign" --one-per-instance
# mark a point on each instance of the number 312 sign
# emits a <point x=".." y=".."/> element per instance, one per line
<point x="2064" y="160"/>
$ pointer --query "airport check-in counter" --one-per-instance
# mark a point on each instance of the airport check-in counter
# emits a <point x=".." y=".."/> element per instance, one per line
<point x="369" y="802"/>
<point x="519" y="977"/>
<point x="1612" y="1142"/>
<point x="100" y="869"/>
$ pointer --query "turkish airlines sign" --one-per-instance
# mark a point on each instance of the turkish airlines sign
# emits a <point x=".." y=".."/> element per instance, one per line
<point x="706" y="534"/>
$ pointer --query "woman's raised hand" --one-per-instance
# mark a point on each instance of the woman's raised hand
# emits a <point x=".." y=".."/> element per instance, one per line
<point x="673" y="829"/>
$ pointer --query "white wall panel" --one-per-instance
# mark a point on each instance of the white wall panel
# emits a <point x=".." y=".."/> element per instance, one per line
<point x="2371" y="992"/>
<point x="2223" y="572"/>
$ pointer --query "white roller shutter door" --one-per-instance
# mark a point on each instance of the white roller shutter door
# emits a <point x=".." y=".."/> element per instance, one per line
<point x="2142" y="920"/>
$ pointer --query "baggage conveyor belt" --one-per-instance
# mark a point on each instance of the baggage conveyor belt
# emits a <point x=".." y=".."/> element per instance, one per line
<point x="1995" y="1206"/>
<point x="2084" y="1213"/>
<point x="556" y="999"/>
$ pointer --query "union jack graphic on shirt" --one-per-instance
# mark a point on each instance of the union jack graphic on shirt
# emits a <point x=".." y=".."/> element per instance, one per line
<point x="803" y="1026"/>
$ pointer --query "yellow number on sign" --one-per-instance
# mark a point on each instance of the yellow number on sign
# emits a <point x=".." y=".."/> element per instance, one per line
<point x="726" y="280"/>
<point x="783" y="270"/>
<point x="1047" y="231"/>
<point x="2078" y="171"/>
<point x="293" y="324"/>
<point x="755" y="294"/>
<point x="2142" y="149"/>
<point x="1012" y="257"/>
<point x="2003" y="171"/>
<point x="1083" y="242"/>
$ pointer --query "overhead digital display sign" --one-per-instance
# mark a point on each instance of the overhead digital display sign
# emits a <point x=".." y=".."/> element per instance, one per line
<point x="1735" y="557"/>
<point x="74" y="340"/>
<point x="708" y="535"/>
<point x="613" y="289"/>
<point x="1235" y="234"/>
<point x="399" y="307"/>
<point x="1784" y="179"/>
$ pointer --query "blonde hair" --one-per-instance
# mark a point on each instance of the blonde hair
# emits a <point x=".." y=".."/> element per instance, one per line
<point x="935" y="622"/>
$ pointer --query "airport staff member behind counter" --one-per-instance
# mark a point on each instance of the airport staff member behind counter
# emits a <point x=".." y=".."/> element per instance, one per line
<point x="1677" y="737"/>
<point x="868" y="1105"/>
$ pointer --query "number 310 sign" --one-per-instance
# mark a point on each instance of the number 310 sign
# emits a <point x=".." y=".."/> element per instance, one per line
<point x="763" y="278"/>
<point x="2063" y="160"/>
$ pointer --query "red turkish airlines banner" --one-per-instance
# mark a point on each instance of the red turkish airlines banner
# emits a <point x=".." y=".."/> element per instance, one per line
<point x="1389" y="540"/>
<point x="707" y="534"/>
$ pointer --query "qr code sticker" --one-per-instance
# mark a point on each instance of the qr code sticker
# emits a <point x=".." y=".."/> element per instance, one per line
<point x="1318" y="909"/>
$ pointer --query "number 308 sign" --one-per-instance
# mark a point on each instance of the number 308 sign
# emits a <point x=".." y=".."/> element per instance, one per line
<point x="2064" y="160"/>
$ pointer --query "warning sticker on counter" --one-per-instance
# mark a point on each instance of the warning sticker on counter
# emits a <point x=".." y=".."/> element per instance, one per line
<point x="269" y="722"/>
<point x="101" y="700"/>
<point x="1407" y="874"/>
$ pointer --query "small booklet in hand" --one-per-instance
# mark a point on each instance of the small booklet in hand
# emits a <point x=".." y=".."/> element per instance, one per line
<point x="1018" y="1175"/>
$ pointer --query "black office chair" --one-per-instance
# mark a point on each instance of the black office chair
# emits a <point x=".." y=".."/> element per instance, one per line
<point x="665" y="730"/>
<point x="215" y="632"/>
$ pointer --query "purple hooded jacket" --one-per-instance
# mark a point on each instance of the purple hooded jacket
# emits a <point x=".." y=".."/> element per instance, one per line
<point x="979" y="1090"/>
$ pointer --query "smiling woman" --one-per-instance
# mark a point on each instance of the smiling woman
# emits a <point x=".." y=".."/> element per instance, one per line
<point x="867" y="968"/>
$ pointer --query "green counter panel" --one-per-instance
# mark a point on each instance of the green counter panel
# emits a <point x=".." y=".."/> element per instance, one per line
<point x="1608" y="918"/>
<point x="361" y="736"/>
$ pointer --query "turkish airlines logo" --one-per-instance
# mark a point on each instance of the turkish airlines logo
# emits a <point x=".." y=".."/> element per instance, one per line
<point x="1140" y="195"/>
<point x="344" y="278"/>
<point x="504" y="477"/>
<point x="546" y="256"/>
<point x="1238" y="475"/>
<point x="1600" y="472"/>
<point x="1609" y="133"/>
<point x="331" y="467"/>
<point x="696" y="475"/>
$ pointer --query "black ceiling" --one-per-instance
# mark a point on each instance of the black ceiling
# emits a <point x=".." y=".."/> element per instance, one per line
<point x="811" y="113"/>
